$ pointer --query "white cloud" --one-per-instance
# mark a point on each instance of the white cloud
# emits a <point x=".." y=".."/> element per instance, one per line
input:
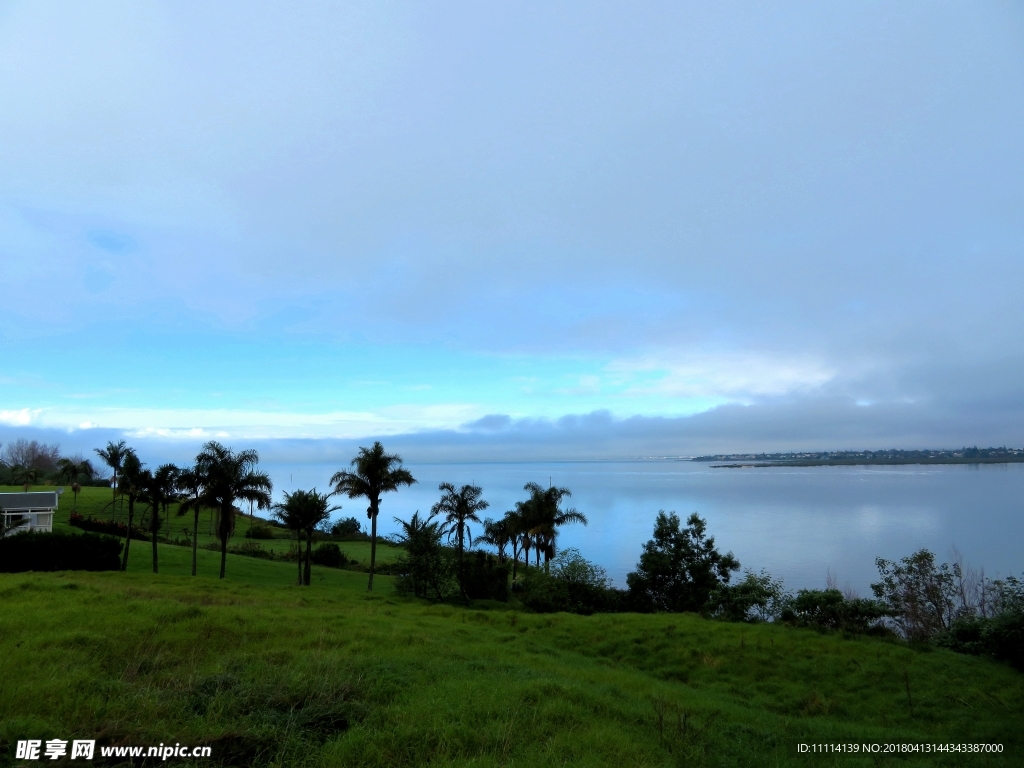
<point x="21" y="418"/>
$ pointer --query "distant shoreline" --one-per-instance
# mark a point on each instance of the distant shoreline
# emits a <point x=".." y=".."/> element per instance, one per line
<point x="872" y="462"/>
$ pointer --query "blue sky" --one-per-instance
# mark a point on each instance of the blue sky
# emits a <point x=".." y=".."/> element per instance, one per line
<point x="576" y="229"/>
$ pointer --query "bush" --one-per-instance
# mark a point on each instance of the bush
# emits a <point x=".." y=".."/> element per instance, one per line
<point x="482" y="577"/>
<point x="573" y="585"/>
<point x="829" y="609"/>
<point x="758" y="597"/>
<point x="112" y="527"/>
<point x="250" y="549"/>
<point x="329" y="554"/>
<point x="346" y="528"/>
<point x="1001" y="636"/>
<point x="37" y="551"/>
<point x="259" y="532"/>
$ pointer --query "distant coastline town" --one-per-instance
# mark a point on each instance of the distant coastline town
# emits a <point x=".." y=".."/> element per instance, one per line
<point x="973" y="455"/>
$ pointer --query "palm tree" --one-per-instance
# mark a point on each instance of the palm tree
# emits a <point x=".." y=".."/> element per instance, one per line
<point x="227" y="477"/>
<point x="304" y="511"/>
<point x="158" y="488"/>
<point x="376" y="472"/>
<point x="459" y="509"/>
<point x="132" y="484"/>
<point x="517" y="537"/>
<point x="166" y="477"/>
<point x="496" y="534"/>
<point x="545" y="518"/>
<point x="289" y="513"/>
<point x="71" y="471"/>
<point x="421" y="538"/>
<point x="190" y="484"/>
<point x="113" y="456"/>
<point x="24" y="476"/>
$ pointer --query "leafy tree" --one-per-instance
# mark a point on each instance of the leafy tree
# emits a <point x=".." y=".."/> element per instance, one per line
<point x="303" y="511"/>
<point x="290" y="517"/>
<point x="679" y="567"/>
<point x="166" y="478"/>
<point x="758" y="597"/>
<point x="190" y="485"/>
<point x="226" y="478"/>
<point x="113" y="456"/>
<point x="519" y="538"/>
<point x="346" y="527"/>
<point x="376" y="472"/>
<point x="424" y="566"/>
<point x="131" y="483"/>
<point x="920" y="596"/>
<point x="830" y="609"/>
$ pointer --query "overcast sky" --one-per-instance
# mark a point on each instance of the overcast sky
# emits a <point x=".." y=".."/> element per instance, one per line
<point x="513" y="230"/>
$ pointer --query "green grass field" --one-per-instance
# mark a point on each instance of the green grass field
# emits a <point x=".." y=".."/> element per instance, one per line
<point x="268" y="673"/>
<point x="96" y="502"/>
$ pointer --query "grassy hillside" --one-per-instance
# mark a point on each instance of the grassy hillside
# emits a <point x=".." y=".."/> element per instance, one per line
<point x="97" y="503"/>
<point x="273" y="674"/>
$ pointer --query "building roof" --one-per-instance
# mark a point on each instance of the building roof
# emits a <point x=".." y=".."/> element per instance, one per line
<point x="10" y="502"/>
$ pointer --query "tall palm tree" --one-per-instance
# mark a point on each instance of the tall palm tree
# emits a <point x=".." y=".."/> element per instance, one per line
<point x="290" y="515"/>
<point x="459" y="508"/>
<point x="190" y="484"/>
<point x="547" y="517"/>
<point x="517" y="536"/>
<point x="304" y="511"/>
<point x="113" y="456"/>
<point x="166" y="477"/>
<point x="376" y="472"/>
<point x="159" y="490"/>
<point x="228" y="477"/>
<point x="131" y="483"/>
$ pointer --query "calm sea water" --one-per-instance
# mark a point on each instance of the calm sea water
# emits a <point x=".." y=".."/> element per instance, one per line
<point x="799" y="523"/>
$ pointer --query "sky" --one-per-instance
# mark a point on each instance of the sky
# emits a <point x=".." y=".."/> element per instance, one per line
<point x="496" y="231"/>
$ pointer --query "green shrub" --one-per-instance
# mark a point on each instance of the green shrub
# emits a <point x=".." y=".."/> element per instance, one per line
<point x="259" y="532"/>
<point x="758" y="597"/>
<point x="829" y="609"/>
<point x="38" y="551"/>
<point x="1001" y="637"/>
<point x="573" y="585"/>
<point x="330" y="555"/>
<point x="482" y="577"/>
<point x="250" y="549"/>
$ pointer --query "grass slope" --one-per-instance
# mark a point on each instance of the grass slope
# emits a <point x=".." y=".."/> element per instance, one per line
<point x="268" y="673"/>
<point x="96" y="502"/>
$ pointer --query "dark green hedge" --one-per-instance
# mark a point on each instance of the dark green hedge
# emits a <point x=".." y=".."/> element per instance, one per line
<point x="35" y="551"/>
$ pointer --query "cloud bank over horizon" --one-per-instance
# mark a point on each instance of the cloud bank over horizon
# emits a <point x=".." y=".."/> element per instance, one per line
<point x="553" y="230"/>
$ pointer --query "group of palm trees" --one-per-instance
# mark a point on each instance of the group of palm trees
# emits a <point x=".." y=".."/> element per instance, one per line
<point x="221" y="478"/>
<point x="533" y="524"/>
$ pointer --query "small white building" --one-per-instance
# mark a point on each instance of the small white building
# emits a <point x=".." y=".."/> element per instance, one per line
<point x="31" y="511"/>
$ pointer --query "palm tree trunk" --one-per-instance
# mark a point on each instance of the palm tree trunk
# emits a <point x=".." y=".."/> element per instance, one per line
<point x="374" y="506"/>
<point x="223" y="541"/>
<point x="298" y="553"/>
<point x="153" y="524"/>
<point x="309" y="550"/>
<point x="195" y="540"/>
<point x="128" y="533"/>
